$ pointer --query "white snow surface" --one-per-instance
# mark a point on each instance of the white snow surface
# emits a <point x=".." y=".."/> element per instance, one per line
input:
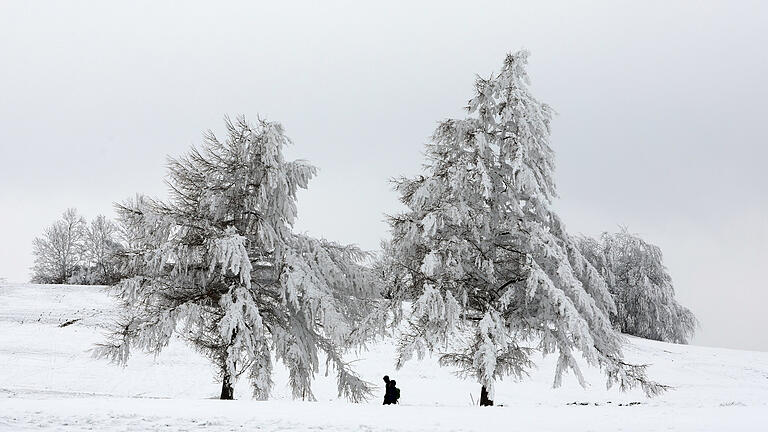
<point x="48" y="381"/>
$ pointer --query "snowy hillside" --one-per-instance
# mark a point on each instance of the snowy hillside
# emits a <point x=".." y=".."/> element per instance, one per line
<point x="48" y="380"/>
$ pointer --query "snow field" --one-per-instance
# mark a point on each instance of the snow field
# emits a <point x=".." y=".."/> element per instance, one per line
<point x="48" y="381"/>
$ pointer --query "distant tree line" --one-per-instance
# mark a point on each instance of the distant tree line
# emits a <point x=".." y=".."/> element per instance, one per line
<point x="73" y="251"/>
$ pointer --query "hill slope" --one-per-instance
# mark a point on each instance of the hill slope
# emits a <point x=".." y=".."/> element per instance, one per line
<point x="48" y="379"/>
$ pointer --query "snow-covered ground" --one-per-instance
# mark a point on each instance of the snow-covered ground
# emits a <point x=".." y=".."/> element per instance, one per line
<point x="48" y="381"/>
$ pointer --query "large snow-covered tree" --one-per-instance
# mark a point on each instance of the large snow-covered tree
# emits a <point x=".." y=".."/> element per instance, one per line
<point x="493" y="272"/>
<point x="641" y="286"/>
<point x="219" y="266"/>
<point x="59" y="251"/>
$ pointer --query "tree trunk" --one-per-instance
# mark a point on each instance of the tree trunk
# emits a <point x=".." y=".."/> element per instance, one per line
<point x="227" y="392"/>
<point x="484" y="401"/>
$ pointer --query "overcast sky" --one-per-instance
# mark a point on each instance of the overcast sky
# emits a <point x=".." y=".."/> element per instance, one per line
<point x="661" y="120"/>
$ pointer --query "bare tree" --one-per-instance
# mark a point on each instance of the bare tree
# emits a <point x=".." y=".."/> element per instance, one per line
<point x="59" y="252"/>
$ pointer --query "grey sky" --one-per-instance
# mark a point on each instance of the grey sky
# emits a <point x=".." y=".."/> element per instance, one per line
<point x="661" y="125"/>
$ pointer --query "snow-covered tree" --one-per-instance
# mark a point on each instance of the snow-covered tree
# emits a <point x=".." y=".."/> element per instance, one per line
<point x="495" y="275"/>
<point x="220" y="266"/>
<point x="59" y="251"/>
<point x="641" y="287"/>
<point x="100" y="249"/>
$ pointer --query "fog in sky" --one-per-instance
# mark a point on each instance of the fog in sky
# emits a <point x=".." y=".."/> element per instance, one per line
<point x="661" y="120"/>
